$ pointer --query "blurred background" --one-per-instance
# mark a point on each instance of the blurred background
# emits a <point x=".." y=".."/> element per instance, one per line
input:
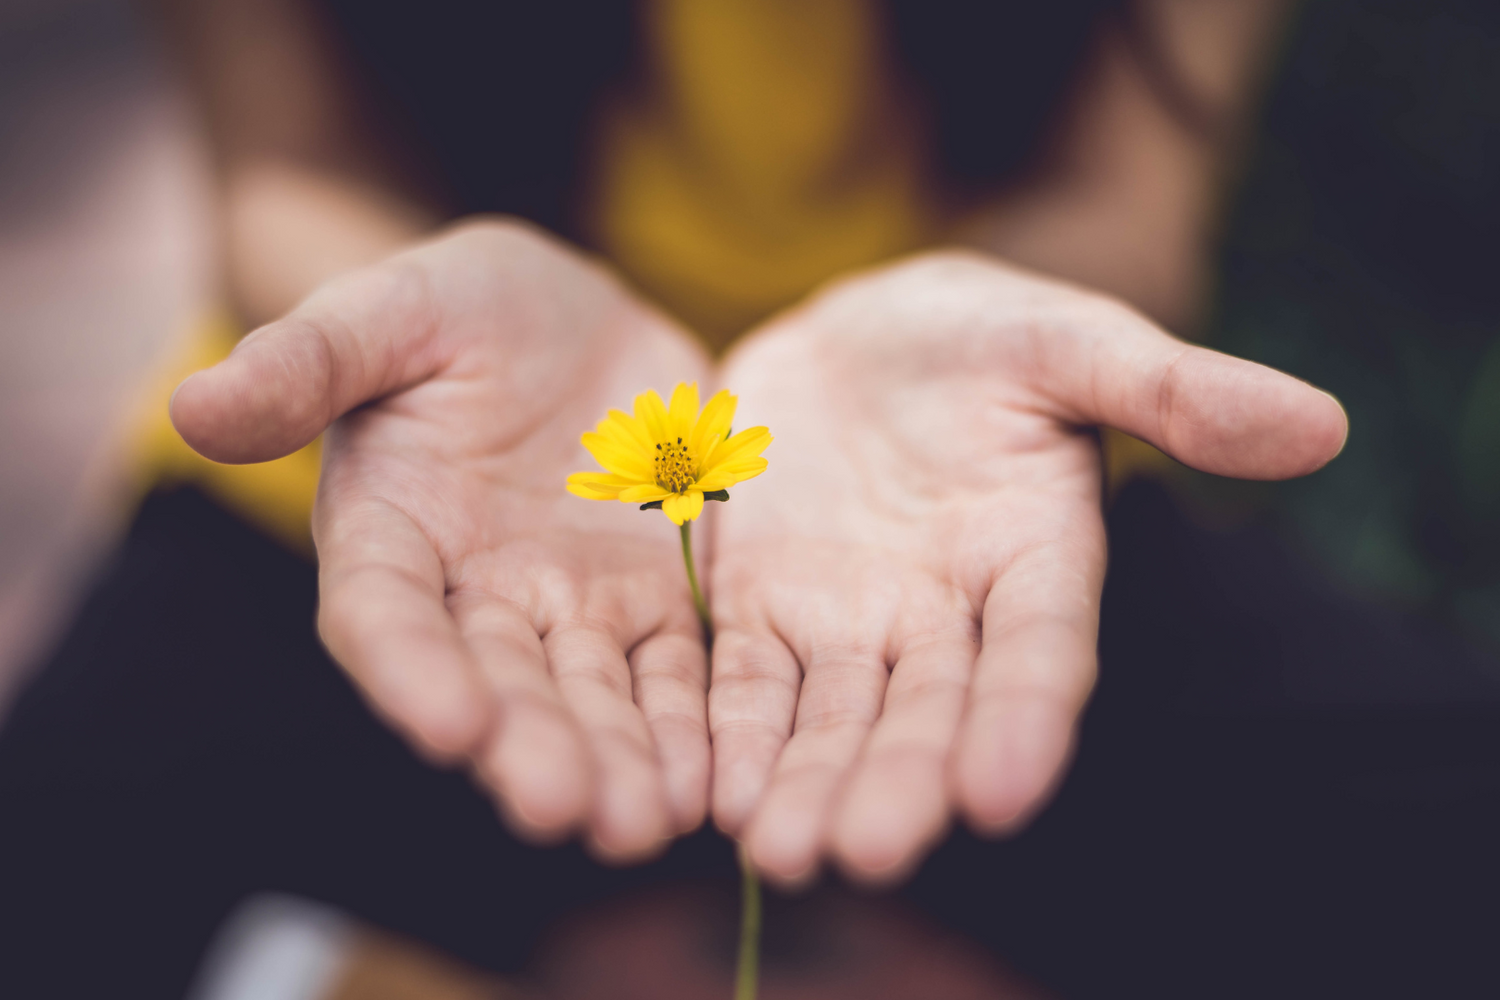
<point x="106" y="257"/>
<point x="1289" y="781"/>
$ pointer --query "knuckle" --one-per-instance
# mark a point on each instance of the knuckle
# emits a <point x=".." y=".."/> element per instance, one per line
<point x="505" y="234"/>
<point x="1169" y="391"/>
<point x="335" y="625"/>
<point x="295" y="367"/>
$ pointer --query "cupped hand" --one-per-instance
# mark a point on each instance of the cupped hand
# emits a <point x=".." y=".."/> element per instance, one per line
<point x="549" y="642"/>
<point x="906" y="603"/>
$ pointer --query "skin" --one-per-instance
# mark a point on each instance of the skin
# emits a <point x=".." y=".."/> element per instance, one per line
<point x="906" y="607"/>
<point x="548" y="643"/>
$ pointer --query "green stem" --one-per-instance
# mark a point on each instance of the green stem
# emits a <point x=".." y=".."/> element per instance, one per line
<point x="698" y="601"/>
<point x="747" y="979"/>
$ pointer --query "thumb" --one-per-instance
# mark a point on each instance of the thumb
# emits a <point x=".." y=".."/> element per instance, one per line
<point x="1214" y="412"/>
<point x="357" y="338"/>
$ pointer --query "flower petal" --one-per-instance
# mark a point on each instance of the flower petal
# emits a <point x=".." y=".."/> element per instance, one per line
<point x="684" y="410"/>
<point x="597" y="485"/>
<point x="746" y="444"/>
<point x="626" y="431"/>
<point x="682" y="507"/>
<point x="621" y="461"/>
<point x="726" y="475"/>
<point x="652" y="413"/>
<point x="713" y="423"/>
<point x="644" y="493"/>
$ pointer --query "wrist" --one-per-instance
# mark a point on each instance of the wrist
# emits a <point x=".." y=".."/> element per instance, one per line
<point x="288" y="228"/>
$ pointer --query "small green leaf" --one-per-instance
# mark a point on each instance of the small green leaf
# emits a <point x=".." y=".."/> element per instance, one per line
<point x="653" y="505"/>
<point x="716" y="495"/>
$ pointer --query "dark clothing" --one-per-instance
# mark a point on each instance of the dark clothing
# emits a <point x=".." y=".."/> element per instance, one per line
<point x="190" y="744"/>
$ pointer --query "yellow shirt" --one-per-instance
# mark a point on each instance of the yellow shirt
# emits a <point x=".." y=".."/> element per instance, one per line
<point x="767" y="151"/>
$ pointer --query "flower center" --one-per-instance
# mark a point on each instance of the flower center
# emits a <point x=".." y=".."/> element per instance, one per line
<point x="674" y="466"/>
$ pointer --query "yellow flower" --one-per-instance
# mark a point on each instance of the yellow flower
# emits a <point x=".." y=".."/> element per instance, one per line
<point x="671" y="457"/>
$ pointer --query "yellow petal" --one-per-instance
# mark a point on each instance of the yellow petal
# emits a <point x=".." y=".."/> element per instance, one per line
<point x="602" y="480"/>
<point x="746" y="444"/>
<point x="713" y="424"/>
<point x="682" y="507"/>
<point x="741" y="466"/>
<point x="626" y="431"/>
<point x="652" y="413"/>
<point x="621" y="461"/>
<point x="597" y="485"/>
<point x="644" y="493"/>
<point x="725" y="476"/>
<point x="684" y="410"/>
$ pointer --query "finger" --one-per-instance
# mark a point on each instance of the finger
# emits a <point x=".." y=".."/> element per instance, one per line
<point x="671" y="688"/>
<point x="752" y="703"/>
<point x="630" y="818"/>
<point x="382" y="617"/>
<point x="1214" y="412"/>
<point x="357" y="338"/>
<point x="535" y="760"/>
<point x="841" y="696"/>
<point x="896" y="802"/>
<point x="1031" y="680"/>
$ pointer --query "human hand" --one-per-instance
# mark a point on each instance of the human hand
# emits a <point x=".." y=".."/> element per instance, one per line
<point x="906" y="611"/>
<point x="551" y="644"/>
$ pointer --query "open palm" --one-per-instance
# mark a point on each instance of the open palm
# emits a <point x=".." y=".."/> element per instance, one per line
<point x="549" y="642"/>
<point x="906" y="603"/>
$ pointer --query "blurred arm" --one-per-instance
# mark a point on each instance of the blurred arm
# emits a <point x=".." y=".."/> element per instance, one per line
<point x="1126" y="201"/>
<point x="308" y="187"/>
